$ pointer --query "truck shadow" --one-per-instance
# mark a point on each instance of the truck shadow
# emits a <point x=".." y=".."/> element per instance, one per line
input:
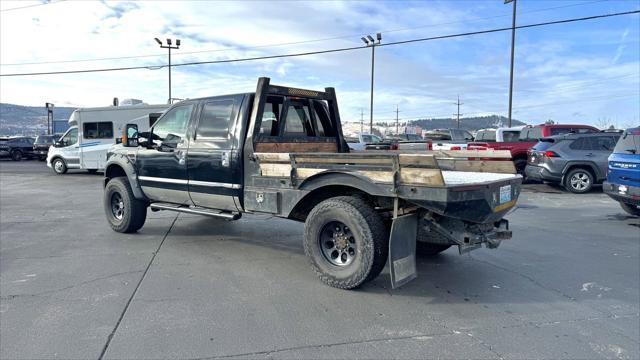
<point x="447" y="278"/>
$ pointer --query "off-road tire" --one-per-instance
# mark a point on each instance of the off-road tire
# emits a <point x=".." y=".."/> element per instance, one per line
<point x="575" y="172"/>
<point x="630" y="209"/>
<point x="134" y="210"/>
<point x="369" y="232"/>
<point x="520" y="165"/>
<point x="63" y="166"/>
<point x="16" y="155"/>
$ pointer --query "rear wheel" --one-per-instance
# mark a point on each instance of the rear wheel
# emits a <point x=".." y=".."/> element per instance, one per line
<point x="125" y="213"/>
<point x="578" y="181"/>
<point x="59" y="166"/>
<point x="16" y="155"/>
<point x="346" y="241"/>
<point x="631" y="209"/>
<point x="520" y="165"/>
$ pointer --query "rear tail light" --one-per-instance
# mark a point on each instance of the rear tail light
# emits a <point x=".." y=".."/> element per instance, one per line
<point x="550" y="154"/>
<point x="429" y="145"/>
<point x="456" y="148"/>
<point x="393" y="147"/>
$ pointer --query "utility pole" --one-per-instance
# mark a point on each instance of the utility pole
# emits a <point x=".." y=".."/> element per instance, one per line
<point x="169" y="47"/>
<point x="458" y="113"/>
<point x="361" y="121"/>
<point x="397" y="121"/>
<point x="513" y="45"/>
<point x="369" y="41"/>
<point x="49" y="107"/>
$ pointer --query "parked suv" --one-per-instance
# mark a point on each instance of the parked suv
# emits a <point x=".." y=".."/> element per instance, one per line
<point x="16" y="148"/>
<point x="623" y="177"/>
<point x="577" y="161"/>
<point x="42" y="144"/>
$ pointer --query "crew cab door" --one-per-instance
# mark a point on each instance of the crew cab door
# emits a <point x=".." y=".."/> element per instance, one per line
<point x="162" y="166"/>
<point x="214" y="167"/>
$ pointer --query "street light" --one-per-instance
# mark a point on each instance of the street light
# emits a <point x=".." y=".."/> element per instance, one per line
<point x="169" y="46"/>
<point x="49" y="107"/>
<point x="513" y="44"/>
<point x="372" y="43"/>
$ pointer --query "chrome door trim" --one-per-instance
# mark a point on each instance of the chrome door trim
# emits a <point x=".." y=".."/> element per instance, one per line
<point x="163" y="180"/>
<point x="214" y="184"/>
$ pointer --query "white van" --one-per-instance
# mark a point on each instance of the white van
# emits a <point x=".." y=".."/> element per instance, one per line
<point x="91" y="133"/>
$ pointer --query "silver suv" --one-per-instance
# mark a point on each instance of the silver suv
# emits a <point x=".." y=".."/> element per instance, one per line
<point x="577" y="161"/>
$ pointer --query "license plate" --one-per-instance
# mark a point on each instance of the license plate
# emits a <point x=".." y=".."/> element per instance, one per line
<point x="505" y="194"/>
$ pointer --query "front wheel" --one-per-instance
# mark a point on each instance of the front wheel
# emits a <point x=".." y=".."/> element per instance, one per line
<point x="346" y="241"/>
<point x="16" y="155"/>
<point x="59" y="166"/>
<point x="578" y="181"/>
<point x="631" y="209"/>
<point x="125" y="213"/>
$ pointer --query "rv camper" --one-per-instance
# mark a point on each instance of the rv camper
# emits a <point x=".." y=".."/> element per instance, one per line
<point x="91" y="133"/>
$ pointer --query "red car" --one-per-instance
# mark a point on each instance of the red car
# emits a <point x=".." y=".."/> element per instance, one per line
<point x="529" y="136"/>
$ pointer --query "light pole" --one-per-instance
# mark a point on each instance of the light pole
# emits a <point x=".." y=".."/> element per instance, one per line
<point x="513" y="45"/>
<point x="169" y="46"/>
<point x="49" y="107"/>
<point x="372" y="43"/>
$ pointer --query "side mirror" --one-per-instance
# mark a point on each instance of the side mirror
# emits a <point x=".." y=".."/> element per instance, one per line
<point x="130" y="135"/>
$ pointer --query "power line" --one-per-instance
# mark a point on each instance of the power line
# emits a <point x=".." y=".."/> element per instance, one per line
<point x="33" y="5"/>
<point x="330" y="50"/>
<point x="295" y="42"/>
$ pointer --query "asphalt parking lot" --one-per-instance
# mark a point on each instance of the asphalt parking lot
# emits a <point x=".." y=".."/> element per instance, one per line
<point x="566" y="285"/>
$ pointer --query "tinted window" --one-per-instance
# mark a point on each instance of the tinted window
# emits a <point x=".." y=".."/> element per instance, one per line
<point x="271" y="116"/>
<point x="322" y="123"/>
<point x="298" y="121"/>
<point x="172" y="127"/>
<point x="543" y="145"/>
<point x="97" y="130"/>
<point x="581" y="144"/>
<point x="215" y="119"/>
<point x="604" y="143"/>
<point x="510" y="136"/>
<point x="560" y="131"/>
<point x="628" y="144"/>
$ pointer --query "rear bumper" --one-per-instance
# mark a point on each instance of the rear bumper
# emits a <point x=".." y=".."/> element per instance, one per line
<point x="630" y="195"/>
<point x="540" y="173"/>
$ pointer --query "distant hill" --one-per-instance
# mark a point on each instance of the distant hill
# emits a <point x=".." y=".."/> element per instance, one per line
<point x="470" y="123"/>
<point x="28" y="120"/>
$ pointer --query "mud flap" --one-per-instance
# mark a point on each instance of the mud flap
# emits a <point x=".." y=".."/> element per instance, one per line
<point x="402" y="250"/>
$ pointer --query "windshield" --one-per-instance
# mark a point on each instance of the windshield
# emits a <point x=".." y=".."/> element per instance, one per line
<point x="70" y="138"/>
<point x="629" y="142"/>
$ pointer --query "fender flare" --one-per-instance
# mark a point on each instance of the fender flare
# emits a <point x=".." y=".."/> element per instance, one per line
<point x="591" y="165"/>
<point x="123" y="162"/>
<point x="332" y="178"/>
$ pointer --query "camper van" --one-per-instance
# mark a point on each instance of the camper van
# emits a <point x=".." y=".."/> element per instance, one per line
<point x="91" y="133"/>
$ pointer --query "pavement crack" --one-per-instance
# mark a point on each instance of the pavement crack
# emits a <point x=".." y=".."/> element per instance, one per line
<point x="133" y="294"/>
<point x="320" y="346"/>
<point x="8" y="297"/>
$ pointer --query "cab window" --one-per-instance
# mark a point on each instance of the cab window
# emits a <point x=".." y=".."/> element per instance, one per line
<point x="70" y="138"/>
<point x="215" y="119"/>
<point x="171" y="128"/>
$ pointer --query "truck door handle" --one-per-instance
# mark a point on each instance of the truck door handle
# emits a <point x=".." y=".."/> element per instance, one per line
<point x="589" y="154"/>
<point x="225" y="159"/>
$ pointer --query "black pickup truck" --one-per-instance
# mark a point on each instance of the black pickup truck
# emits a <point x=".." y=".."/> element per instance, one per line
<point x="281" y="151"/>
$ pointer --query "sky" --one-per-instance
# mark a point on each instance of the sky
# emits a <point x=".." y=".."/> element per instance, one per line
<point x="582" y="72"/>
